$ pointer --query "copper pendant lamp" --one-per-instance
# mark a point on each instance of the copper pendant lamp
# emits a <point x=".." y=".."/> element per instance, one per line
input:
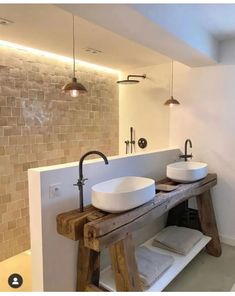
<point x="74" y="88"/>
<point x="171" y="102"/>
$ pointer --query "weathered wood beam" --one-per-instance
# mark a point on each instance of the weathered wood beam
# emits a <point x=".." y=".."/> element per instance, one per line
<point x="124" y="265"/>
<point x="102" y="232"/>
<point x="94" y="224"/>
<point x="112" y="221"/>
<point x="208" y="223"/>
<point x="93" y="288"/>
<point x="88" y="267"/>
<point x="70" y="224"/>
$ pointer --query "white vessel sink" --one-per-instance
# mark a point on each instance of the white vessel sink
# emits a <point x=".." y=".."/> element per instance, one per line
<point x="122" y="194"/>
<point x="187" y="171"/>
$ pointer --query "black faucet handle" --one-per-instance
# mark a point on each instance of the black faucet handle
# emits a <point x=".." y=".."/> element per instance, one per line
<point x="80" y="182"/>
<point x="83" y="180"/>
<point x="186" y="156"/>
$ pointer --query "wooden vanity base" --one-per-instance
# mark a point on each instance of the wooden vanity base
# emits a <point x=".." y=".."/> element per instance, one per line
<point x="97" y="230"/>
<point x="88" y="267"/>
<point x="124" y="265"/>
<point x="208" y="223"/>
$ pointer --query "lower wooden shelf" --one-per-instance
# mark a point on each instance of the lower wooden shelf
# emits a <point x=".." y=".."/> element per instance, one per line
<point x="107" y="280"/>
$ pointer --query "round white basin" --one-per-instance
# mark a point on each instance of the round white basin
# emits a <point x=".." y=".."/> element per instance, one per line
<point x="187" y="171"/>
<point x="122" y="194"/>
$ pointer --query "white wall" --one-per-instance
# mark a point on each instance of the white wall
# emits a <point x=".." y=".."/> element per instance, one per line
<point x="207" y="116"/>
<point x="54" y="257"/>
<point x="142" y="107"/>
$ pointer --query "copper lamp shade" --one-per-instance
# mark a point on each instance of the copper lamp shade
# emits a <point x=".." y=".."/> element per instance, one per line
<point x="171" y="102"/>
<point x="74" y="88"/>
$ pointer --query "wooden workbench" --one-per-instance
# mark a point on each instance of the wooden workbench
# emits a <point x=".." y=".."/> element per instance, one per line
<point x="97" y="230"/>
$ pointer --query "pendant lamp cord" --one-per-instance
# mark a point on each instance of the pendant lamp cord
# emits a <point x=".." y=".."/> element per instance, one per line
<point x="172" y="72"/>
<point x="73" y="49"/>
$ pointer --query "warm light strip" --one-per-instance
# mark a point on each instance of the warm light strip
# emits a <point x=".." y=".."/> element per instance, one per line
<point x="112" y="2"/>
<point x="58" y="57"/>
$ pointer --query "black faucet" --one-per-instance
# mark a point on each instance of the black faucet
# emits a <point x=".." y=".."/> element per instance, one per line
<point x="131" y="141"/>
<point x="81" y="181"/>
<point x="186" y="155"/>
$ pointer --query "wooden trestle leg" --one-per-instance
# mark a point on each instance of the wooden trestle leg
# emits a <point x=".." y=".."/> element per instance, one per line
<point x="208" y="223"/>
<point x="124" y="265"/>
<point x="88" y="268"/>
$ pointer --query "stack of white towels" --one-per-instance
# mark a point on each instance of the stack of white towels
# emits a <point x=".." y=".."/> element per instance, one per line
<point x="153" y="264"/>
<point x="177" y="239"/>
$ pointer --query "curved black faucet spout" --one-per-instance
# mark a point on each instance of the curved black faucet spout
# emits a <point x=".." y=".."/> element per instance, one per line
<point x="81" y="180"/>
<point x="87" y="154"/>
<point x="185" y="156"/>
<point x="186" y="146"/>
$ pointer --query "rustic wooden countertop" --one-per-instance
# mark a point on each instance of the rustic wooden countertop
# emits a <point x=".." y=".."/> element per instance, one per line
<point x="99" y="229"/>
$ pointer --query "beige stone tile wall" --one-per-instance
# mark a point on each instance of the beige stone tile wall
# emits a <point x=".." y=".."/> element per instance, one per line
<point x="39" y="126"/>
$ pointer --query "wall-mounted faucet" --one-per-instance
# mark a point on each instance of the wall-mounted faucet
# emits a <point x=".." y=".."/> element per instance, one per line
<point x="81" y="181"/>
<point x="127" y="142"/>
<point x="131" y="142"/>
<point x="186" y="155"/>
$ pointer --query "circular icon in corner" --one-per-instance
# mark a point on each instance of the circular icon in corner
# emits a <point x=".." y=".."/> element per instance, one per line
<point x="15" y="280"/>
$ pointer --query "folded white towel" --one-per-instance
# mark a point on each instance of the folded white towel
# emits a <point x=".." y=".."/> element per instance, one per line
<point x="177" y="239"/>
<point x="151" y="265"/>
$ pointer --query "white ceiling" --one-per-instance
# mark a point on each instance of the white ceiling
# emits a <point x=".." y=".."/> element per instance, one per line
<point x="169" y="30"/>
<point x="218" y="19"/>
<point x="49" y="28"/>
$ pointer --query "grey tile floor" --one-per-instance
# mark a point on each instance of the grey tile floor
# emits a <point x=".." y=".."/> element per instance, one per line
<point x="207" y="273"/>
